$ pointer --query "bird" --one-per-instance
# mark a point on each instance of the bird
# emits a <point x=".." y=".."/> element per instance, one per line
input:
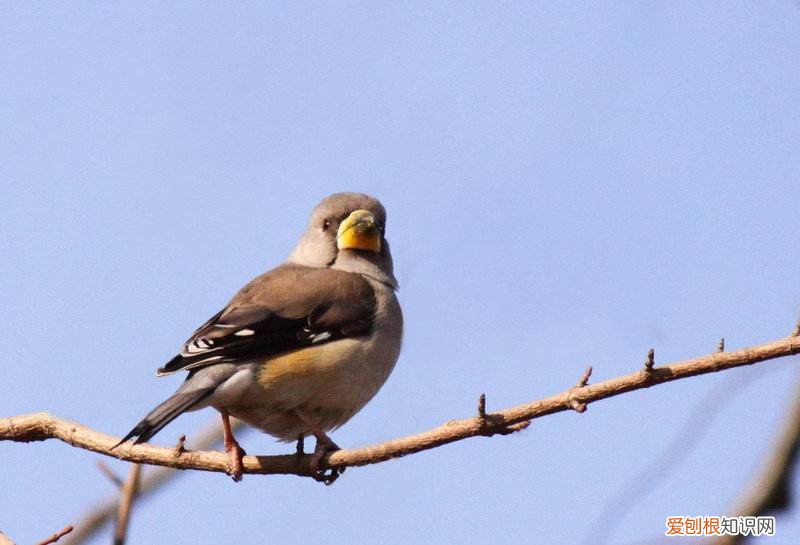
<point x="302" y="348"/>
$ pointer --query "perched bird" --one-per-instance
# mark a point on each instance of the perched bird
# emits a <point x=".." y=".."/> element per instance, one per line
<point x="302" y="348"/>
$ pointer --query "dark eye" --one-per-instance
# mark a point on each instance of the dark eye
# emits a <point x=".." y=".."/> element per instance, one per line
<point x="326" y="224"/>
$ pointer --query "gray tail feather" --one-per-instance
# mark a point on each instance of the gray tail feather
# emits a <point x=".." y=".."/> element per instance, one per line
<point x="164" y="414"/>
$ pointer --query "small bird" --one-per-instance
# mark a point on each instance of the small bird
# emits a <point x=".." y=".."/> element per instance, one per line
<point x="302" y="348"/>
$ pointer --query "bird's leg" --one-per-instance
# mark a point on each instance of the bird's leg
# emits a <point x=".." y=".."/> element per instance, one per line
<point x="324" y="446"/>
<point x="232" y="448"/>
<point x="301" y="444"/>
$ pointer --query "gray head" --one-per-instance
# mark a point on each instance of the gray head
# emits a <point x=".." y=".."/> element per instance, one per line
<point x="347" y="231"/>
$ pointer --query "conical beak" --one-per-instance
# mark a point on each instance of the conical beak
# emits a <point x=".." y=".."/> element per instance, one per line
<point x="359" y="231"/>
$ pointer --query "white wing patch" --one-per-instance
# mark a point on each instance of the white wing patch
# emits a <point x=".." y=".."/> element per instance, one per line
<point x="319" y="337"/>
<point x="200" y="344"/>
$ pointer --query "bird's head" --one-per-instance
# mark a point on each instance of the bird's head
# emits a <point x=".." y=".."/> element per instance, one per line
<point x="346" y="231"/>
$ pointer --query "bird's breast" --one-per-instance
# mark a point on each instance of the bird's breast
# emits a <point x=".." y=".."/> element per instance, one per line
<point x="329" y="382"/>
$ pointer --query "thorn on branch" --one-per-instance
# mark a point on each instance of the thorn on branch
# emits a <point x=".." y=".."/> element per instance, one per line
<point x="796" y="330"/>
<point x="513" y="428"/>
<point x="493" y="424"/>
<point x="721" y="345"/>
<point x="580" y="406"/>
<point x="179" y="447"/>
<point x="650" y="362"/>
<point x="584" y="378"/>
<point x="108" y="472"/>
<point x="58" y="535"/>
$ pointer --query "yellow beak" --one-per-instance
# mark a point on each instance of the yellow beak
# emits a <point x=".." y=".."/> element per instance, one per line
<point x="359" y="231"/>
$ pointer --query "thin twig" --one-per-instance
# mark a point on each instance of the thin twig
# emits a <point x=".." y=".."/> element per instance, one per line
<point x="663" y="463"/>
<point x="108" y="472"/>
<point x="482" y="407"/>
<point x="650" y="362"/>
<point x="584" y="380"/>
<point x="58" y="535"/>
<point x="95" y="518"/>
<point x="41" y="426"/>
<point x="575" y="404"/>
<point x="129" y="492"/>
<point x="180" y="446"/>
<point x="770" y="492"/>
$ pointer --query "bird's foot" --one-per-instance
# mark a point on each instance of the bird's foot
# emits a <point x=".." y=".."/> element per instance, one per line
<point x="235" y="454"/>
<point x="324" y="447"/>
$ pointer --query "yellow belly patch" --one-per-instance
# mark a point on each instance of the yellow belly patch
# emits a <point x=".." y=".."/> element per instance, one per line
<point x="297" y="364"/>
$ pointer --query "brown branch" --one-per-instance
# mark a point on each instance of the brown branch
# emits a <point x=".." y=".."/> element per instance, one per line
<point x="770" y="492"/>
<point x="55" y="537"/>
<point x="109" y="473"/>
<point x="5" y="540"/>
<point x="575" y="404"/>
<point x="662" y="465"/>
<point x="129" y="491"/>
<point x="41" y="426"/>
<point x="95" y="518"/>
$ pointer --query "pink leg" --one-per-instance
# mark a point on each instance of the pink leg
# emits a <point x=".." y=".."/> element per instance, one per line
<point x="232" y="448"/>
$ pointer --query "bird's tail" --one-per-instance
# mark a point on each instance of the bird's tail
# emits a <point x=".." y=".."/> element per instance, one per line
<point x="165" y="413"/>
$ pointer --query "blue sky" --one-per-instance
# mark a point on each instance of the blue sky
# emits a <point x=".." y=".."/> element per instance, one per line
<point x="567" y="184"/>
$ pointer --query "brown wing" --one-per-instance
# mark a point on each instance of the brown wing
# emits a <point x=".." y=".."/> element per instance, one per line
<point x="285" y="309"/>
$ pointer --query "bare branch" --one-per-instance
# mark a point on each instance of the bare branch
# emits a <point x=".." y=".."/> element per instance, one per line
<point x="108" y="472"/>
<point x="664" y="463"/>
<point x="41" y="426"/>
<point x="575" y="404"/>
<point x="770" y="491"/>
<point x="584" y="380"/>
<point x="129" y="491"/>
<point x="55" y="537"/>
<point x="5" y="540"/>
<point x="94" y="519"/>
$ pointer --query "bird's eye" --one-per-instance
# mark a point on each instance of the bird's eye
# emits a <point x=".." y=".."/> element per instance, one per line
<point x="326" y="224"/>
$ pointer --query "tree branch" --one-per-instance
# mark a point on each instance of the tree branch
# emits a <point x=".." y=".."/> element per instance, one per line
<point x="95" y="519"/>
<point x="41" y="426"/>
<point x="770" y="493"/>
<point x="130" y="488"/>
<point x="58" y="535"/>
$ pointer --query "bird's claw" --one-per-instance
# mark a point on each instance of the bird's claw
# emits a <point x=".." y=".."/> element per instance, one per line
<point x="235" y="464"/>
<point x="324" y="475"/>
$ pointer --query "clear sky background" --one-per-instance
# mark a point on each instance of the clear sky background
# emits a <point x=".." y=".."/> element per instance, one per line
<point x="567" y="184"/>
